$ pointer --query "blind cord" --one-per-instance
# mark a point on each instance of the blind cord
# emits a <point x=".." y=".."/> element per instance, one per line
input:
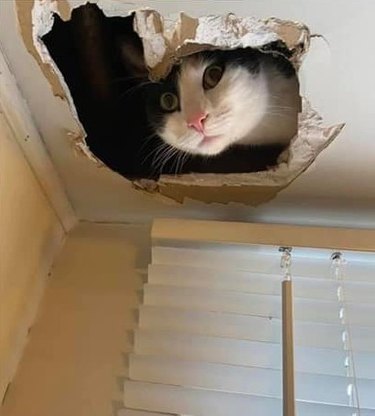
<point x="338" y="264"/>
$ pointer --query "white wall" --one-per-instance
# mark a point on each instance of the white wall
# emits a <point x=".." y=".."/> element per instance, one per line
<point x="30" y="235"/>
<point x="338" y="77"/>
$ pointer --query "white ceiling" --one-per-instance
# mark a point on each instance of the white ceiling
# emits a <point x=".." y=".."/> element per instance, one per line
<point x="337" y="76"/>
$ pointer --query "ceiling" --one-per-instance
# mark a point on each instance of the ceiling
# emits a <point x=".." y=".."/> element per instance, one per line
<point x="337" y="77"/>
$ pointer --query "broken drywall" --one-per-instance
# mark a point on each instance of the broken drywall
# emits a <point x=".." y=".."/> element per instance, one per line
<point x="25" y="21"/>
<point x="166" y="41"/>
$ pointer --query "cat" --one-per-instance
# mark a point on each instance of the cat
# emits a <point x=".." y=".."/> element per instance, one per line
<point x="214" y="100"/>
<point x="139" y="128"/>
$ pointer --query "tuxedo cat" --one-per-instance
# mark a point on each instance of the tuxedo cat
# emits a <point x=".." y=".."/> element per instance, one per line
<point x="215" y="100"/>
<point x="215" y="112"/>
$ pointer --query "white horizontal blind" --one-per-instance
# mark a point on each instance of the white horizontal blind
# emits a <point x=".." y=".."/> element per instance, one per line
<point x="208" y="340"/>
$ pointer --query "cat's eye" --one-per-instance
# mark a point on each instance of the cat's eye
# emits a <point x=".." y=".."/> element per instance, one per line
<point x="212" y="76"/>
<point x="169" y="101"/>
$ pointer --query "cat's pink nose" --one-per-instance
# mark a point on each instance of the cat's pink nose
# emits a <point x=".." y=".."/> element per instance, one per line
<point x="197" y="122"/>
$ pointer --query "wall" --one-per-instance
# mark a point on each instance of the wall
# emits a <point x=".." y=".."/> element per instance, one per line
<point x="30" y="235"/>
<point x="76" y="361"/>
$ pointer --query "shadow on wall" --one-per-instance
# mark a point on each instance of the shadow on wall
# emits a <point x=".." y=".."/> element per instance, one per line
<point x="111" y="104"/>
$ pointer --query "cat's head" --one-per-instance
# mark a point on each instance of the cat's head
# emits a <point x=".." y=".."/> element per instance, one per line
<point x="210" y="101"/>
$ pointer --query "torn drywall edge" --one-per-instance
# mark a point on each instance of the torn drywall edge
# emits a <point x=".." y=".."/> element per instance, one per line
<point x="43" y="13"/>
<point x="164" y="44"/>
<point x="150" y="187"/>
<point x="25" y="26"/>
<point x="246" y="195"/>
<point x="223" y="194"/>
<point x="43" y="19"/>
<point x="313" y="138"/>
<point x="185" y="35"/>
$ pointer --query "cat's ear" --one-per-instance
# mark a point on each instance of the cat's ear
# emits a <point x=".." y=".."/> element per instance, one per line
<point x="132" y="56"/>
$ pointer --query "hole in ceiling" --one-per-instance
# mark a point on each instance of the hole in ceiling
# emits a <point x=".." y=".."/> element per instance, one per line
<point x="97" y="56"/>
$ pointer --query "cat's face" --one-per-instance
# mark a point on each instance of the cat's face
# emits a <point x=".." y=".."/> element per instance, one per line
<point x="211" y="101"/>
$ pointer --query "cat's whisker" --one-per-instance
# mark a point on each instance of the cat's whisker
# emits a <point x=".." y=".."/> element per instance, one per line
<point x="274" y="113"/>
<point x="162" y="150"/>
<point x="147" y="141"/>
<point x="169" y="157"/>
<point x="181" y="161"/>
<point x="176" y="162"/>
<point x="155" y="152"/>
<point x="165" y="157"/>
<point x="156" y="163"/>
<point x="159" y="155"/>
<point x="217" y="124"/>
<point x="163" y="147"/>
<point x="186" y="157"/>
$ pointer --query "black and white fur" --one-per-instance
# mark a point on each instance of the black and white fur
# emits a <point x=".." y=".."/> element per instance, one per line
<point x="255" y="102"/>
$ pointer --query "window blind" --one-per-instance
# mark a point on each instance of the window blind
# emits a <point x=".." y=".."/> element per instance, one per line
<point x="209" y="336"/>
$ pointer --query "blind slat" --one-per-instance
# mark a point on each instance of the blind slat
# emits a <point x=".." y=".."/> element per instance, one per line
<point x="247" y="380"/>
<point x="184" y="400"/>
<point x="250" y="282"/>
<point x="248" y="353"/>
<point x="254" y="260"/>
<point x="253" y="304"/>
<point x="251" y="328"/>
